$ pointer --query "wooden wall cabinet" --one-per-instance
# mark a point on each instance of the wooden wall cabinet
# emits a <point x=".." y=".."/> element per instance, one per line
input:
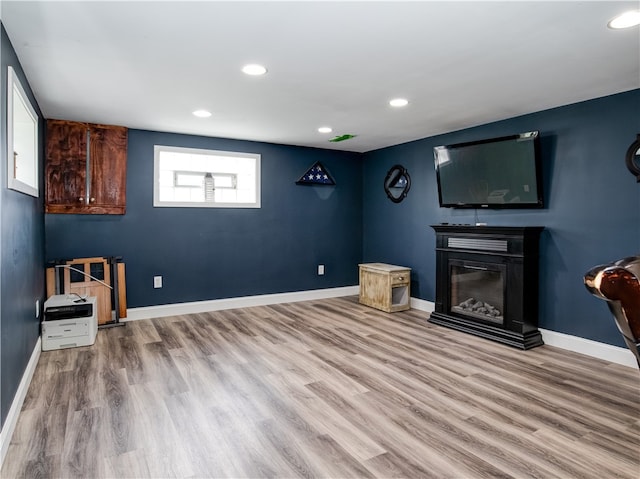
<point x="86" y="168"/>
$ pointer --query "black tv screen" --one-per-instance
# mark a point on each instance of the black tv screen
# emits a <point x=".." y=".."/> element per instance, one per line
<point x="495" y="173"/>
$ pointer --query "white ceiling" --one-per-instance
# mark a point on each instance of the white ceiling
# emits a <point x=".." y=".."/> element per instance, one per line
<point x="148" y="65"/>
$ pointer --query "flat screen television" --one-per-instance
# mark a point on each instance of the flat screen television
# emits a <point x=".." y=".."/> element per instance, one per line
<point x="495" y="173"/>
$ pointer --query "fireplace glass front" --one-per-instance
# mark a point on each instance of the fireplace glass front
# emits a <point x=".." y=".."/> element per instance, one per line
<point x="477" y="290"/>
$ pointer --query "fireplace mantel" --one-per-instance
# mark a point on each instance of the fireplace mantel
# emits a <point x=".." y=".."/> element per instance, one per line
<point x="500" y="265"/>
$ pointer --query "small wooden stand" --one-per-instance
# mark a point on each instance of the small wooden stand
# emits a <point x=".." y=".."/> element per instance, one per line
<point x="110" y="290"/>
<point x="385" y="286"/>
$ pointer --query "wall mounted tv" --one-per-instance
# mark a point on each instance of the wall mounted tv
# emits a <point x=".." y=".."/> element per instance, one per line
<point x="495" y="173"/>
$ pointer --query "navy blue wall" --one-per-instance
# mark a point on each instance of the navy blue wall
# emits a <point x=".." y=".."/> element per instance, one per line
<point x="592" y="213"/>
<point x="213" y="253"/>
<point x="21" y="254"/>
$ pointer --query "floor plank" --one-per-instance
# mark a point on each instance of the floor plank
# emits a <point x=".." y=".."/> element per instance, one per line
<point x="322" y="389"/>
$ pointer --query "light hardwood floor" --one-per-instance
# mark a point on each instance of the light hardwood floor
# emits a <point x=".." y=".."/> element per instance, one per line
<point x="324" y="388"/>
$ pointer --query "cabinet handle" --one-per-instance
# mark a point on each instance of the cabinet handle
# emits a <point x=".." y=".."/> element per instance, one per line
<point x="80" y="199"/>
<point x="93" y="200"/>
<point x="400" y="278"/>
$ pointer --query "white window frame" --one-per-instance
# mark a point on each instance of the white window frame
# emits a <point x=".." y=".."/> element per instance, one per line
<point x="22" y="134"/>
<point x="197" y="151"/>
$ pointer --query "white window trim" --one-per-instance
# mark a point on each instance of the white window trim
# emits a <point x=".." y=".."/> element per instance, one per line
<point x="180" y="204"/>
<point x="14" y="86"/>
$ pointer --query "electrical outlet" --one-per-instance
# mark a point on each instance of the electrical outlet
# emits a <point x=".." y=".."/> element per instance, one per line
<point x="320" y="269"/>
<point x="157" y="282"/>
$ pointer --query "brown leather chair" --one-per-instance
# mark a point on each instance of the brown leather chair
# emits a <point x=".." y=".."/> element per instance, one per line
<point x="618" y="283"/>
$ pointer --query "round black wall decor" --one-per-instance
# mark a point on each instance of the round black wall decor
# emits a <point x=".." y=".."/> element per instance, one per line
<point x="397" y="183"/>
<point x="633" y="158"/>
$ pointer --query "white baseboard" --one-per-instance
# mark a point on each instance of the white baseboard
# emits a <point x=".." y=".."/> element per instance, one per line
<point x="16" y="405"/>
<point x="613" y="354"/>
<point x="595" y="349"/>
<point x="231" y="303"/>
<point x="576" y="344"/>
<point x="422" y="305"/>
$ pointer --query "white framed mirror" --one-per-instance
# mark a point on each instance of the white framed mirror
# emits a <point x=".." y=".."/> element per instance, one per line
<point x="22" y="139"/>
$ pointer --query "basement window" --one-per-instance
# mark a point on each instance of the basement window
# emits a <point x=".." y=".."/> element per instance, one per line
<point x="22" y="138"/>
<point x="188" y="177"/>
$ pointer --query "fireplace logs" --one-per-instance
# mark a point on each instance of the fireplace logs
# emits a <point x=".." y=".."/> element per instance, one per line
<point x="475" y="307"/>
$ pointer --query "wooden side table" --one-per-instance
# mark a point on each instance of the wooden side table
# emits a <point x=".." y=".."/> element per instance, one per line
<point x="385" y="286"/>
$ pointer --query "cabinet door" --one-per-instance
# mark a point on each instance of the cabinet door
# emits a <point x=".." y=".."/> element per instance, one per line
<point x="108" y="169"/>
<point x="66" y="165"/>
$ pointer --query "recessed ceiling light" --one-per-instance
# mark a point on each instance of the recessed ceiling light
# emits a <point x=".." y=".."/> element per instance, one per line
<point x="254" y="69"/>
<point x="202" y="113"/>
<point x="325" y="129"/>
<point x="625" y="20"/>
<point x="397" y="102"/>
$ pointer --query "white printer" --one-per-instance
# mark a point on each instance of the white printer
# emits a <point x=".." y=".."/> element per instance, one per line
<point x="69" y="321"/>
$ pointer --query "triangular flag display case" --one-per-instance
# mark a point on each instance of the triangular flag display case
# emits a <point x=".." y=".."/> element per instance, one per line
<point x="316" y="175"/>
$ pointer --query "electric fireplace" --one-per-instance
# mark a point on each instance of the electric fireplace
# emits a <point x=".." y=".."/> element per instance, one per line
<point x="487" y="282"/>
